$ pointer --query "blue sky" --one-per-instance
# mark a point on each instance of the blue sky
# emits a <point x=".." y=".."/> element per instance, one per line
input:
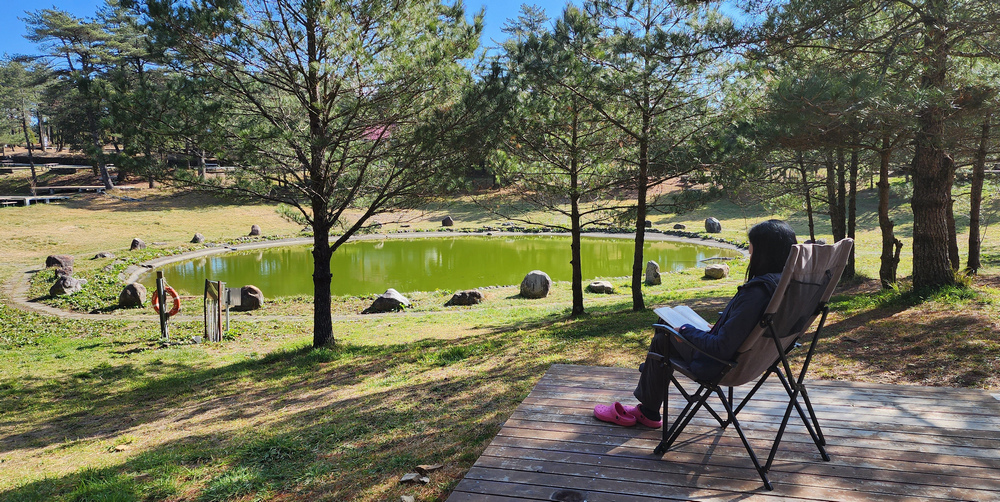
<point x="13" y="41"/>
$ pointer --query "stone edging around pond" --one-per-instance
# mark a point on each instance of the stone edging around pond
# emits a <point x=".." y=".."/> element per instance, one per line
<point x="16" y="288"/>
<point x="134" y="272"/>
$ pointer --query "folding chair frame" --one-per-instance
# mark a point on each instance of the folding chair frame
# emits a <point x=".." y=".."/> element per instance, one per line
<point x="792" y="383"/>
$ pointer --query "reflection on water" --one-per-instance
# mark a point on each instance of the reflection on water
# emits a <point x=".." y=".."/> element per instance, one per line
<point x="366" y="267"/>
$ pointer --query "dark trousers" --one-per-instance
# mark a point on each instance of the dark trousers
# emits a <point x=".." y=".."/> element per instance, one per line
<point x="654" y="375"/>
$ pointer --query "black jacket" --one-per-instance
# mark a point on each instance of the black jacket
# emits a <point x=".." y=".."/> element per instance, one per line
<point x="734" y="325"/>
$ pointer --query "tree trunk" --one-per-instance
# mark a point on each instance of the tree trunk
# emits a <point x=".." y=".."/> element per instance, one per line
<point x="322" y="304"/>
<point x="932" y="173"/>
<point x="160" y="161"/>
<point x="808" y="196"/>
<point x="43" y="140"/>
<point x="31" y="158"/>
<point x="640" y="217"/>
<point x="322" y="252"/>
<point x="147" y="153"/>
<point x="840" y="225"/>
<point x="852" y="210"/>
<point x="102" y="168"/>
<point x="976" y="199"/>
<point x="835" y="196"/>
<point x="574" y="197"/>
<point x="889" y="261"/>
<point x="575" y="249"/>
<point x="953" y="255"/>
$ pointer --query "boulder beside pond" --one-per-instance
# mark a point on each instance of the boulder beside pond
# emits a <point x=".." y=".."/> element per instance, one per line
<point x="103" y="254"/>
<point x="653" y="273"/>
<point x="467" y="297"/>
<point x="447" y="222"/>
<point x="390" y="301"/>
<point x="601" y="287"/>
<point x="251" y="298"/>
<point x="254" y="230"/>
<point x="717" y="271"/>
<point x="59" y="261"/>
<point x="713" y="225"/>
<point x="197" y="239"/>
<point x="536" y="284"/>
<point x="132" y="295"/>
<point x="66" y="285"/>
<point x="137" y="244"/>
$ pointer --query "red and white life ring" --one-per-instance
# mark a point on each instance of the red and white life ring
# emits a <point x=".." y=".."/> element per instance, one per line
<point x="176" y="300"/>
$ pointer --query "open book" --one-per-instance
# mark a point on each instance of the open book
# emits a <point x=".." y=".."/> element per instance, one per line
<point x="675" y="317"/>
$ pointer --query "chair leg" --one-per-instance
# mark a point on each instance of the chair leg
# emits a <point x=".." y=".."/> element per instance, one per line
<point x="694" y="403"/>
<point x="690" y="410"/>
<point x="762" y="471"/>
<point x="691" y="397"/>
<point x="808" y="421"/>
<point x="812" y="414"/>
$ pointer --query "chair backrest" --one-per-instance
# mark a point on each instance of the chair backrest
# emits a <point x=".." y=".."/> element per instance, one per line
<point x="807" y="281"/>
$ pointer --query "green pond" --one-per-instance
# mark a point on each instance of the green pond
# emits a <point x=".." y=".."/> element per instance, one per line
<point x="426" y="264"/>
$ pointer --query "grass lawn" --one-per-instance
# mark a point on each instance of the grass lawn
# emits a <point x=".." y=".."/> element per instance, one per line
<point x="102" y="410"/>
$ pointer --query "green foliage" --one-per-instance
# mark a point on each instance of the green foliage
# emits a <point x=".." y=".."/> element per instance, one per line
<point x="23" y="329"/>
<point x="291" y="214"/>
<point x="956" y="295"/>
<point x="100" y="294"/>
<point x="234" y="483"/>
<point x="105" y="485"/>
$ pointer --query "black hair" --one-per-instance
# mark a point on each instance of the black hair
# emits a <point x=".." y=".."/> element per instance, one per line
<point x="772" y="240"/>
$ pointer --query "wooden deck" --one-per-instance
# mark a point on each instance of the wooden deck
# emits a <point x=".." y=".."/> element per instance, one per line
<point x="70" y="188"/>
<point x="27" y="200"/>
<point x="887" y="442"/>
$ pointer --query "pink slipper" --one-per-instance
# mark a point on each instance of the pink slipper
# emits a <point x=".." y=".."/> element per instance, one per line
<point x="635" y="413"/>
<point x="614" y="413"/>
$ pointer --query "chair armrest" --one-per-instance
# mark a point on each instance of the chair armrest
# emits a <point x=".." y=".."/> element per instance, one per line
<point x="687" y="342"/>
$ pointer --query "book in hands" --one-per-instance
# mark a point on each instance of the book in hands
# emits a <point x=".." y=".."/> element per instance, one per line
<point x="675" y="317"/>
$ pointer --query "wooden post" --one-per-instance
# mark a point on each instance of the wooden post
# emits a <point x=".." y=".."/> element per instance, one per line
<point x="221" y="285"/>
<point x="161" y="294"/>
<point x="204" y="303"/>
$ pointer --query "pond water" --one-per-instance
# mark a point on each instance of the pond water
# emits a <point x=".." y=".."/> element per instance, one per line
<point x="427" y="264"/>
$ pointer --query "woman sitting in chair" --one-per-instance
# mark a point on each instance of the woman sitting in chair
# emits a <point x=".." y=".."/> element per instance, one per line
<point x="770" y="243"/>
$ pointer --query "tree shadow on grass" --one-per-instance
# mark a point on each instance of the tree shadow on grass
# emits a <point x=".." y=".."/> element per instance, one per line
<point x="916" y="346"/>
<point x="933" y="337"/>
<point x="144" y="201"/>
<point x="609" y="318"/>
<point x="343" y="423"/>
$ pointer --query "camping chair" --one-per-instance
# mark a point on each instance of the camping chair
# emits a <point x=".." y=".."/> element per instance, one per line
<point x="807" y="282"/>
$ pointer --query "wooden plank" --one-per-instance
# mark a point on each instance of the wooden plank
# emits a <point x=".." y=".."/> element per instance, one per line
<point x="729" y="451"/>
<point x="808" y="485"/>
<point x="694" y="463"/>
<point x="775" y="396"/>
<point x="72" y="188"/>
<point x="845" y="414"/>
<point x="949" y="460"/>
<point x="830" y="417"/>
<point x="541" y="486"/>
<point x="981" y="444"/>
